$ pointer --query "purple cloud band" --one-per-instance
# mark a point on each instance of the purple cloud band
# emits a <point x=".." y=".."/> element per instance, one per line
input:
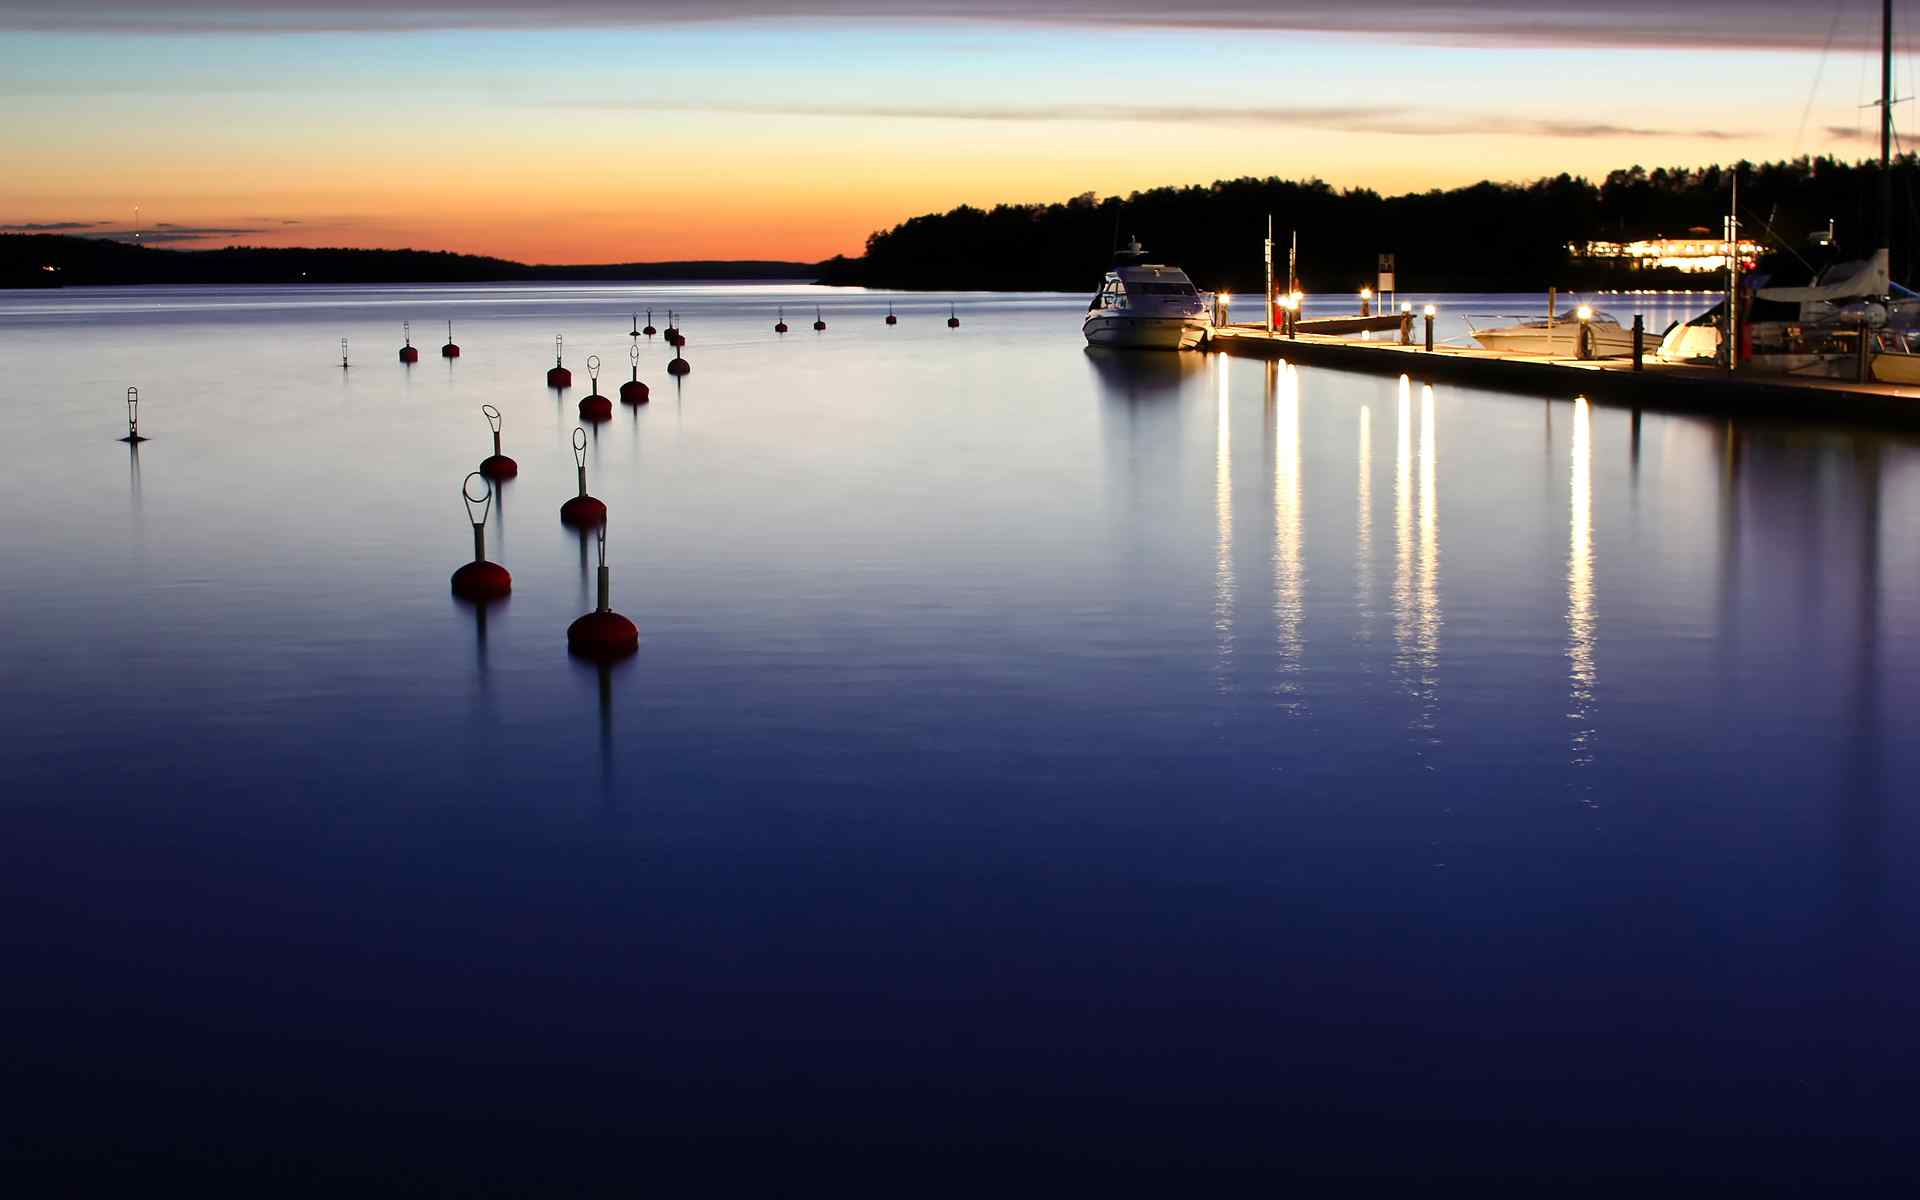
<point x="1619" y="23"/>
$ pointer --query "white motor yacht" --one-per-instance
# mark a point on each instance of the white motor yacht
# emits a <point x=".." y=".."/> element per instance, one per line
<point x="1147" y="306"/>
<point x="1559" y="338"/>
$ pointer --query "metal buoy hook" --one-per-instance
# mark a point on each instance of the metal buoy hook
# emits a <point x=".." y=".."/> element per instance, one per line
<point x="493" y="421"/>
<point x="484" y="499"/>
<point x="406" y="332"/>
<point x="593" y="370"/>
<point x="485" y="502"/>
<point x="580" y="456"/>
<point x="601" y="536"/>
<point x="133" y="437"/>
<point x="343" y="354"/>
<point x="633" y="353"/>
<point x="558" y="340"/>
<point x="636" y="326"/>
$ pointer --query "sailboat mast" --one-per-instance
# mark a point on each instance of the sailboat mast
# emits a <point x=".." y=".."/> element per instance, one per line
<point x="1886" y="129"/>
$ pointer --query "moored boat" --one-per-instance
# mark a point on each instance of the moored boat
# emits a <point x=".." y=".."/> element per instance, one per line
<point x="1560" y="336"/>
<point x="1145" y="305"/>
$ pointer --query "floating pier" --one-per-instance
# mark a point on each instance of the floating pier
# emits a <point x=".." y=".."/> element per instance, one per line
<point x="1675" y="387"/>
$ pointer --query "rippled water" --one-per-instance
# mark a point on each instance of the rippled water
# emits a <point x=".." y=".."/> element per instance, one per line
<point x="1034" y="758"/>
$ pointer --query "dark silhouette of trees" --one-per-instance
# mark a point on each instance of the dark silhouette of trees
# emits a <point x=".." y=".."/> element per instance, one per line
<point x="1485" y="237"/>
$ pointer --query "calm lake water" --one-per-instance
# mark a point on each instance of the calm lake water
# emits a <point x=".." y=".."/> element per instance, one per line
<point x="1034" y="759"/>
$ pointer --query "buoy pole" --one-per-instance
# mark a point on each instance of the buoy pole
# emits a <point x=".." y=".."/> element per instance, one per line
<point x="480" y="580"/>
<point x="603" y="634"/>
<point x="343" y="354"/>
<point x="582" y="511"/>
<point x="499" y="466"/>
<point x="133" y="437"/>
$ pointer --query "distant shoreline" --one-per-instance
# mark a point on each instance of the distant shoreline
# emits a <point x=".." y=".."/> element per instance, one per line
<point x="37" y="261"/>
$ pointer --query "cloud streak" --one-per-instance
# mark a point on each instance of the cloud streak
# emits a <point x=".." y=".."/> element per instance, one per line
<point x="49" y="226"/>
<point x="1383" y="119"/>
<point x="1722" y="24"/>
<point x="160" y="233"/>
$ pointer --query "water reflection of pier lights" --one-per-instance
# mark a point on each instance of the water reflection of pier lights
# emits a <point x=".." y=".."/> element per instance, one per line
<point x="1580" y="586"/>
<point x="1363" y="531"/>
<point x="1427" y="594"/>
<point x="1289" y="605"/>
<point x="1223" y="532"/>
<point x="1403" y="526"/>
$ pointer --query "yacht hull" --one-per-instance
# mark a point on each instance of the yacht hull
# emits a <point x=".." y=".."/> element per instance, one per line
<point x="1608" y="341"/>
<point x="1143" y="333"/>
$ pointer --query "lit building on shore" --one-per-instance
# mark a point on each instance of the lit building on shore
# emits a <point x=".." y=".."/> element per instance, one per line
<point x="1697" y="252"/>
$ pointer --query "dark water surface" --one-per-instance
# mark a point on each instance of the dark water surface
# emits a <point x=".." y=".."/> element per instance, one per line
<point x="1034" y="759"/>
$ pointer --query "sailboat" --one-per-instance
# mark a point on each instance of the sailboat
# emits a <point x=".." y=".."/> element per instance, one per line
<point x="1852" y="321"/>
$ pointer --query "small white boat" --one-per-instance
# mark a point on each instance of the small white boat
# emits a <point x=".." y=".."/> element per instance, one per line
<point x="1560" y="337"/>
<point x="1148" y="306"/>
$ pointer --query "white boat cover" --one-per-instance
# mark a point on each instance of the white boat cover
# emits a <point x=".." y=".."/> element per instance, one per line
<point x="1841" y="281"/>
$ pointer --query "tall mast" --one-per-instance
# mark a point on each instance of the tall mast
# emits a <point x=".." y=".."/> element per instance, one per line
<point x="1886" y="130"/>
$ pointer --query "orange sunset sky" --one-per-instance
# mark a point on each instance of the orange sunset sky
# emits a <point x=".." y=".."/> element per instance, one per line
<point x="598" y="137"/>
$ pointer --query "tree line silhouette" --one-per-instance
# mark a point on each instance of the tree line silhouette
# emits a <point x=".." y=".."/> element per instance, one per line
<point x="1485" y="237"/>
<point x="101" y="261"/>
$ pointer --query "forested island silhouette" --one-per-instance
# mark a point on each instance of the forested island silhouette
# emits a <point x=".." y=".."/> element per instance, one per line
<point x="1484" y="237"/>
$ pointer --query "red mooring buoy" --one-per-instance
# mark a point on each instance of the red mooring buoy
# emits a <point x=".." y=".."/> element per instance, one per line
<point x="496" y="465"/>
<point x="582" y="511"/>
<point x="818" y="324"/>
<point x="594" y="406"/>
<point x="480" y="580"/>
<point x="559" y="376"/>
<point x="780" y="323"/>
<point x="891" y="319"/>
<point x="678" y="366"/>
<point x="649" y="330"/>
<point x="449" y="350"/>
<point x="407" y="353"/>
<point x="953" y="322"/>
<point x="603" y="635"/>
<point x="633" y="391"/>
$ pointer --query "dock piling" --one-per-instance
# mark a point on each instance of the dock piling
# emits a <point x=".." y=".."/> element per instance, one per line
<point x="1639" y="343"/>
<point x="1430" y="311"/>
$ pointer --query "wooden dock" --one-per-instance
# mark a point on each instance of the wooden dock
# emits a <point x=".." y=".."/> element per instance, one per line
<point x="1669" y="386"/>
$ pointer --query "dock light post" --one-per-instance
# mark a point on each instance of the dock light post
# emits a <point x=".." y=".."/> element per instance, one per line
<point x="1430" y="311"/>
<point x="1583" y="348"/>
<point x="1366" y="302"/>
<point x="1222" y="307"/>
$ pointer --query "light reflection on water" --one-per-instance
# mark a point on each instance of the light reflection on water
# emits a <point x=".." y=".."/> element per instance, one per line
<point x="1283" y="423"/>
<point x="1580" y="585"/>
<point x="951" y="750"/>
